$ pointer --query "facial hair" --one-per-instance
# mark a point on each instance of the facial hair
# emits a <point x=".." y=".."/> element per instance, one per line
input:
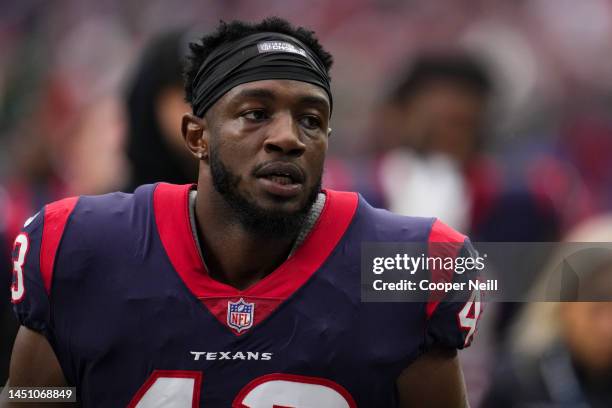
<point x="254" y="218"/>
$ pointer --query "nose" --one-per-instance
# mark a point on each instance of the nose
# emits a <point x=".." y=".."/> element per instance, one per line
<point x="284" y="137"/>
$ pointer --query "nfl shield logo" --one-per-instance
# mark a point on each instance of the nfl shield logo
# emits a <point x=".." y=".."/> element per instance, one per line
<point x="240" y="314"/>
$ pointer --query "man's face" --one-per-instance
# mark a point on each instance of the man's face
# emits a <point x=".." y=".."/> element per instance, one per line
<point x="443" y="117"/>
<point x="267" y="144"/>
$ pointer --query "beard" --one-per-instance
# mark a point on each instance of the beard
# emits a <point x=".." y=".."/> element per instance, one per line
<point x="254" y="218"/>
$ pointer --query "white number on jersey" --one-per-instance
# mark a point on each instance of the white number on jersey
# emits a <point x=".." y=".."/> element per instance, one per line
<point x="22" y="243"/>
<point x="468" y="316"/>
<point x="169" y="389"/>
<point x="181" y="389"/>
<point x="284" y="390"/>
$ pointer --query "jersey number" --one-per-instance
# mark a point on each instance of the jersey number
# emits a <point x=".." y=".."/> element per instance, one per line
<point x="469" y="315"/>
<point x="22" y="244"/>
<point x="181" y="389"/>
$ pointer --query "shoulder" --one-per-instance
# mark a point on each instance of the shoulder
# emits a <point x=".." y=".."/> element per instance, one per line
<point x="90" y="215"/>
<point x="388" y="226"/>
<point x="79" y="225"/>
<point x="115" y="204"/>
<point x="70" y="242"/>
<point x="58" y="213"/>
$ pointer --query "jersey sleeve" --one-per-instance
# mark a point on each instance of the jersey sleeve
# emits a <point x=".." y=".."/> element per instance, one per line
<point x="452" y="315"/>
<point x="28" y="295"/>
<point x="34" y="253"/>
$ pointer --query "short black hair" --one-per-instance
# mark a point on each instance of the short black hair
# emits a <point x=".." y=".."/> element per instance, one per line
<point x="227" y="32"/>
<point x="460" y="68"/>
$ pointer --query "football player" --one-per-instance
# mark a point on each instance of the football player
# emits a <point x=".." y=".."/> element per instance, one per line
<point x="245" y="289"/>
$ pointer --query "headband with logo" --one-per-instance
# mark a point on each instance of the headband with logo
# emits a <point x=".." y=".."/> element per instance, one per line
<point x="256" y="57"/>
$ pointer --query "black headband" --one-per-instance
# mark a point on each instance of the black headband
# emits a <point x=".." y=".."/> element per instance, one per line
<point x="254" y="58"/>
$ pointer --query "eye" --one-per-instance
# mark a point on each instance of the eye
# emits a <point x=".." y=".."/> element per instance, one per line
<point x="310" y="122"/>
<point x="256" y="115"/>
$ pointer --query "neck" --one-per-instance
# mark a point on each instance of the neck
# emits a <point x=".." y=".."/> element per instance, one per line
<point x="234" y="255"/>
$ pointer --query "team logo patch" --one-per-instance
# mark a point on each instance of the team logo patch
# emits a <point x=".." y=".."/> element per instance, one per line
<point x="240" y="315"/>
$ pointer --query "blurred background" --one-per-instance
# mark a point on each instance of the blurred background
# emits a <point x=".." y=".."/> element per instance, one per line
<point x="494" y="115"/>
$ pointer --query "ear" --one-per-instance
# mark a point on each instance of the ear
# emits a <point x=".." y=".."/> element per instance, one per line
<point x="194" y="130"/>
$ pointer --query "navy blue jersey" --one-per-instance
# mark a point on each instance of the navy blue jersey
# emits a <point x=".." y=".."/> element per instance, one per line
<point x="118" y="287"/>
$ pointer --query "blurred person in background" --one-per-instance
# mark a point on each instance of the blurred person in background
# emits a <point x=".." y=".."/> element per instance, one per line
<point x="433" y="160"/>
<point x="433" y="154"/>
<point x="155" y="105"/>
<point x="433" y="135"/>
<point x="560" y="354"/>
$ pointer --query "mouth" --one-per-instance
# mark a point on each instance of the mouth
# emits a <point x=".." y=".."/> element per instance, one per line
<point x="281" y="179"/>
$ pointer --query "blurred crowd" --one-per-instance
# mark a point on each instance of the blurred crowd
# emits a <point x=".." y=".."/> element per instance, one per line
<point x="495" y="116"/>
